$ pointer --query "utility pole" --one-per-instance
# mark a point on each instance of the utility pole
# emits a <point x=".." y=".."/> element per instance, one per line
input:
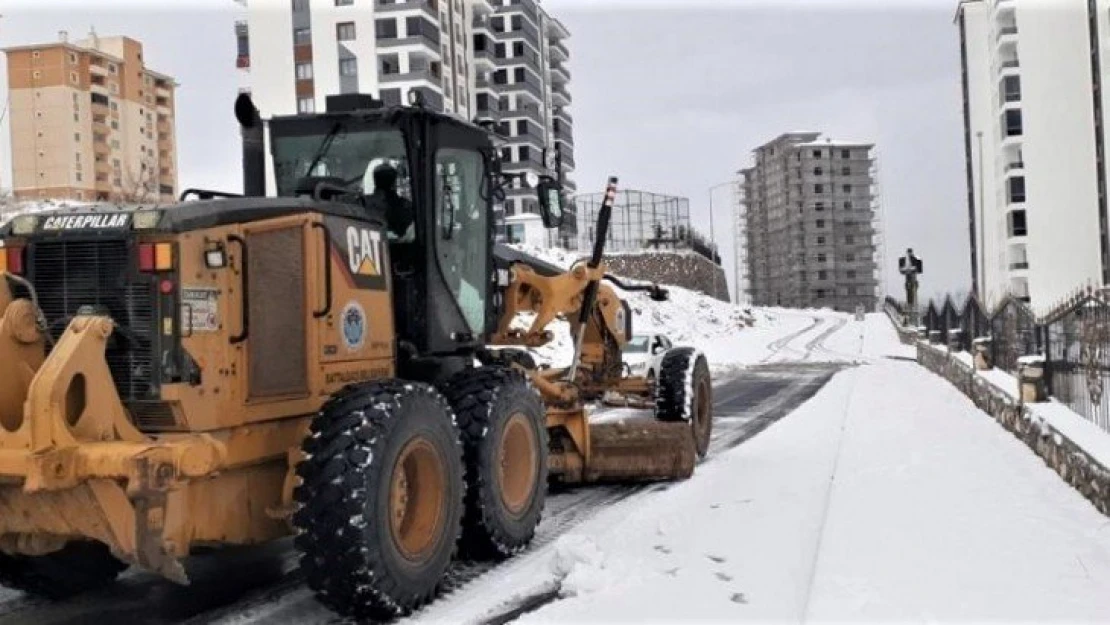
<point x="982" y="229"/>
<point x="713" y="234"/>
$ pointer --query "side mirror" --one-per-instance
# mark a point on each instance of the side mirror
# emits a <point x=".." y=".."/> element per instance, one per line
<point x="551" y="203"/>
<point x="246" y="112"/>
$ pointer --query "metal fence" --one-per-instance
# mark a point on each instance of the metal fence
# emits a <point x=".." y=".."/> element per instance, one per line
<point x="1074" y="340"/>
<point x="643" y="221"/>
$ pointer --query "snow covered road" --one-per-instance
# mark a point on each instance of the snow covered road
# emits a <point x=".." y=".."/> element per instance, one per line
<point x="888" y="497"/>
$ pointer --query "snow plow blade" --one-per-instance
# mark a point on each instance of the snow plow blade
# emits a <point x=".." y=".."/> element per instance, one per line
<point x="641" y="451"/>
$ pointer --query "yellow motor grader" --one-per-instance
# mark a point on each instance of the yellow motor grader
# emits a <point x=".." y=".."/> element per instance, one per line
<point x="338" y="361"/>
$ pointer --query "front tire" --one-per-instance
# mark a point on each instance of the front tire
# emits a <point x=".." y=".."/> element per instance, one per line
<point x="685" y="393"/>
<point x="79" y="567"/>
<point x="380" y="502"/>
<point x="504" y="432"/>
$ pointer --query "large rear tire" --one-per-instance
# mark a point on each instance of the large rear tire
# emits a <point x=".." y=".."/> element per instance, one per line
<point x="79" y="567"/>
<point x="685" y="393"/>
<point x="380" y="502"/>
<point x="504" y="432"/>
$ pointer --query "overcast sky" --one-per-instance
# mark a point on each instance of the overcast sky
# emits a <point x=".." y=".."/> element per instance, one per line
<point x="670" y="96"/>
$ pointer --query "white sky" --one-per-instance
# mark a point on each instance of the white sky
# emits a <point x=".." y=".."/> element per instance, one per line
<point x="670" y="96"/>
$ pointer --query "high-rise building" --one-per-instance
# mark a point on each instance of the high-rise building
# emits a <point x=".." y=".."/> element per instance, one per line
<point x="89" y="121"/>
<point x="809" y="224"/>
<point x="1034" y="77"/>
<point x="499" y="61"/>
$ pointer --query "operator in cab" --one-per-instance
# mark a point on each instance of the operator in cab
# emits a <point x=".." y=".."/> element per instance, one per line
<point x="397" y="210"/>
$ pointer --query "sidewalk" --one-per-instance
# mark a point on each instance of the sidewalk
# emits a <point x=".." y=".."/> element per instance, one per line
<point x="888" y="497"/>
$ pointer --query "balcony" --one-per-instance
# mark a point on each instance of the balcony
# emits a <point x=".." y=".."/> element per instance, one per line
<point x="1007" y="34"/>
<point x="530" y="87"/>
<point x="485" y="57"/>
<point x="1015" y="166"/>
<point x="559" y="52"/>
<point x="559" y="73"/>
<point x="243" y="61"/>
<point x="430" y="8"/>
<point x="560" y="96"/>
<point x="424" y="73"/>
<point x="556" y="30"/>
<point x="1009" y="65"/>
<point x="482" y="7"/>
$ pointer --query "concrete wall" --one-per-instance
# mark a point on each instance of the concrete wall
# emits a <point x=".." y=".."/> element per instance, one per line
<point x="690" y="271"/>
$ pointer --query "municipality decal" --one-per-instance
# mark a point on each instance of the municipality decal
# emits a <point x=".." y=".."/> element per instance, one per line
<point x="87" y="222"/>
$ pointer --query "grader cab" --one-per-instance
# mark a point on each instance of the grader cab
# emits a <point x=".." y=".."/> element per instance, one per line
<point x="335" y="362"/>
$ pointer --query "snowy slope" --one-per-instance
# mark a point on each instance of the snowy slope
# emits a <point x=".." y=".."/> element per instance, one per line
<point x="730" y="336"/>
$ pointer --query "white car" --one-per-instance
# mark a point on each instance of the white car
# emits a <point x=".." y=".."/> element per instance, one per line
<point x="644" y="353"/>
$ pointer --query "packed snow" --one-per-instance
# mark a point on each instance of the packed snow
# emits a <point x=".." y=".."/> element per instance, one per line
<point x="887" y="497"/>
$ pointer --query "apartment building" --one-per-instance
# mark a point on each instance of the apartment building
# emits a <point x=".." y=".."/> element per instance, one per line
<point x="500" y="62"/>
<point x="89" y="121"/>
<point x="1035" y="143"/>
<point x="809" y="224"/>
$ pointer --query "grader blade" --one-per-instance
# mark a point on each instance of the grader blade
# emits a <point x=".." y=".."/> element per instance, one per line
<point x="640" y="451"/>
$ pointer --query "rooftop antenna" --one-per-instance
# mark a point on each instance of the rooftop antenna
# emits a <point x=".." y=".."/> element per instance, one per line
<point x="63" y="36"/>
<point x="94" y="37"/>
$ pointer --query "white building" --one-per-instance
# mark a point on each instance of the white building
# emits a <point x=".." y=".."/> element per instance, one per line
<point x="1034" y="141"/>
<point x="498" y="60"/>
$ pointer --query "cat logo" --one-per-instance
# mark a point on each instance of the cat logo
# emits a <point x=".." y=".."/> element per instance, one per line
<point x="364" y="252"/>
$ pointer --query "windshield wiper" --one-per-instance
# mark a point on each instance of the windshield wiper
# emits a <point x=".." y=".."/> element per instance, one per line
<point x="325" y="145"/>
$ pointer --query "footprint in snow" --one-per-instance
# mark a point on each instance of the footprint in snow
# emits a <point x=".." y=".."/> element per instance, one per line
<point x="663" y="549"/>
<point x="672" y="572"/>
<point x="738" y="597"/>
<point x="724" y="577"/>
<point x="717" y="559"/>
<point x="715" y="506"/>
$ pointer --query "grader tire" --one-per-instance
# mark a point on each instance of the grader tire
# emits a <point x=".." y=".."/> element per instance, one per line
<point x="504" y="432"/>
<point x="380" y="503"/>
<point x="78" y="567"/>
<point x="685" y="393"/>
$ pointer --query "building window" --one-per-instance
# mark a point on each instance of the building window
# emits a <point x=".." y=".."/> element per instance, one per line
<point x="1010" y="89"/>
<point x="822" y="275"/>
<point x="847" y="188"/>
<point x="517" y="22"/>
<point x="847" y="171"/>
<point x="1016" y="222"/>
<point x="818" y="188"/>
<point x="817" y="171"/>
<point x="302" y="36"/>
<point x="851" y="274"/>
<point x="385" y="29"/>
<point x="518" y="48"/>
<point x="1011" y="123"/>
<point x="306" y="105"/>
<point x="507" y="155"/>
<point x="845" y="154"/>
<point x="78" y="176"/>
<point x="820" y="223"/>
<point x="344" y="3"/>
<point x="345" y="31"/>
<point x="819" y="206"/>
<point x="850" y="240"/>
<point x="820" y="240"/>
<point x="1015" y="189"/>
<point x="817" y="154"/>
<point x="304" y="71"/>
<point x="348" y="67"/>
<point x="847" y="206"/>
<point x="390" y="64"/>
<point x="518" y="75"/>
<point x="77" y="137"/>
<point x="525" y="153"/>
<point x="820" y="293"/>
<point x="822" y="258"/>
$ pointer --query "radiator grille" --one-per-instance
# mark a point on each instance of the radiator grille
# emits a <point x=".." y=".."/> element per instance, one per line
<point x="72" y="274"/>
<point x="278" y="362"/>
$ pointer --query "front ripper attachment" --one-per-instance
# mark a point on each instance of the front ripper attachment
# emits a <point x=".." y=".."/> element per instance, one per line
<point x="72" y="466"/>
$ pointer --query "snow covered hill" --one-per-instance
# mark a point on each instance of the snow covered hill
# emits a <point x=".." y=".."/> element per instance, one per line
<point x="730" y="336"/>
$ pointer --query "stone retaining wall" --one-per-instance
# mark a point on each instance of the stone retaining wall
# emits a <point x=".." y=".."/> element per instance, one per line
<point x="687" y="270"/>
<point x="1077" y="468"/>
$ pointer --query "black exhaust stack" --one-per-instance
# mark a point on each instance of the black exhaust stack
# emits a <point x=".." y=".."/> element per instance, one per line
<point x="254" y="146"/>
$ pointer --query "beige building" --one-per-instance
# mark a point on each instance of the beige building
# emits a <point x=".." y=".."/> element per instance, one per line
<point x="90" y="122"/>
